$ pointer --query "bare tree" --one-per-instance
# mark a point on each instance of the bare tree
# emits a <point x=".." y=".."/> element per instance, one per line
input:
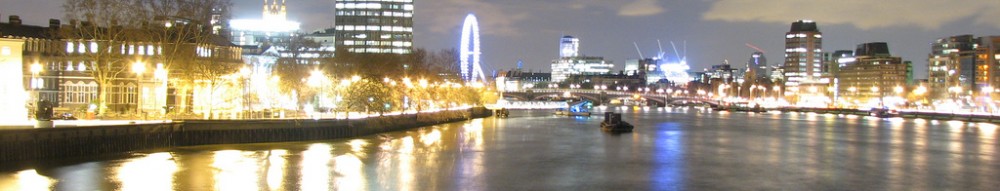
<point x="173" y="27"/>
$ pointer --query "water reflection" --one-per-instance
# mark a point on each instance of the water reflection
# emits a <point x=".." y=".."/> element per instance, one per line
<point x="151" y="172"/>
<point x="235" y="170"/>
<point x="25" y="180"/>
<point x="670" y="149"/>
<point x="276" y="169"/>
<point x="316" y="168"/>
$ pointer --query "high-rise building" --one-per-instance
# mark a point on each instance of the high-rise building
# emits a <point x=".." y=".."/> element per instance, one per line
<point x="803" y="56"/>
<point x="375" y="26"/>
<point x="873" y="76"/>
<point x="988" y="64"/>
<point x="569" y="46"/>
<point x="951" y="66"/>
<point x="756" y="68"/>
<point x="571" y="63"/>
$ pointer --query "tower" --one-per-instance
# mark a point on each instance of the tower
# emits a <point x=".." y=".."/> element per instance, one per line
<point x="374" y="26"/>
<point x="275" y="11"/>
<point x="756" y="67"/>
<point x="569" y="46"/>
<point x="803" y="55"/>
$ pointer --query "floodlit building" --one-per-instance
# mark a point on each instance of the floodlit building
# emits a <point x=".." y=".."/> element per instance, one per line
<point x="569" y="46"/>
<point x="988" y="64"/>
<point x="273" y="27"/>
<point x="59" y="69"/>
<point x="374" y="26"/>
<point x="951" y="66"/>
<point x="874" y="78"/>
<point x="564" y="67"/>
<point x="803" y="64"/>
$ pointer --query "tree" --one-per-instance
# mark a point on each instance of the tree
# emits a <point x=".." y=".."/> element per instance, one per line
<point x="112" y="26"/>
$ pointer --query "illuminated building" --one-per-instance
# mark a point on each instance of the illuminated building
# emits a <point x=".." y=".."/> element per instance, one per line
<point x="951" y="66"/>
<point x="273" y="27"/>
<point x="660" y="68"/>
<point x="756" y="68"/>
<point x="988" y="64"/>
<point x="375" y="26"/>
<point x="873" y="76"/>
<point x="569" y="46"/>
<point x="564" y="67"/>
<point x="515" y="80"/>
<point x="803" y="57"/>
<point x="66" y="64"/>
<point x="12" y="92"/>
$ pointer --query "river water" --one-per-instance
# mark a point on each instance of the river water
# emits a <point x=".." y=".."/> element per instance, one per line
<point x="670" y="149"/>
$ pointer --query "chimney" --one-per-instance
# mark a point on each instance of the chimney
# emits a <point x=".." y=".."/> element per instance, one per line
<point x="15" y="20"/>
<point x="54" y="23"/>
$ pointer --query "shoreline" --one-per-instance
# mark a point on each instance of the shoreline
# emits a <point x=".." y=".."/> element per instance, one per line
<point x="25" y="145"/>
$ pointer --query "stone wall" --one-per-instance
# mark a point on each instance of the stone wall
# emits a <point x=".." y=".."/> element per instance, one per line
<point x="34" y="144"/>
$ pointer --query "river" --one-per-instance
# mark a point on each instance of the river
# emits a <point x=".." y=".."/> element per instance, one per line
<point x="670" y="149"/>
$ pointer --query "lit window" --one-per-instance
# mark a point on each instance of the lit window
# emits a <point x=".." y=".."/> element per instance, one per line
<point x="93" y="47"/>
<point x="69" y="47"/>
<point x="82" y="67"/>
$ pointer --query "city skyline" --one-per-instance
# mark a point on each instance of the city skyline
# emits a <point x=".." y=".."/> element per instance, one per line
<point x="715" y="31"/>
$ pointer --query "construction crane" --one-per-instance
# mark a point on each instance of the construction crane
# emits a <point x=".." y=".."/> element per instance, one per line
<point x="756" y="48"/>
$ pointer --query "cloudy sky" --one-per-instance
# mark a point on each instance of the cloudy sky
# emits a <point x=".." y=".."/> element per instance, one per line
<point x="714" y="30"/>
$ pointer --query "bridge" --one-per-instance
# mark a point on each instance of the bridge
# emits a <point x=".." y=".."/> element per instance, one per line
<point x="602" y="96"/>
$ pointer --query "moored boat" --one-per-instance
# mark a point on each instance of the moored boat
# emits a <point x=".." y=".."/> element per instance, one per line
<point x="613" y="123"/>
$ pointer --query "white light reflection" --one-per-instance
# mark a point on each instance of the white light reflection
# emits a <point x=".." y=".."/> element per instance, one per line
<point x="358" y="145"/>
<point x="26" y="180"/>
<point x="350" y="174"/>
<point x="316" y="168"/>
<point x="276" y="169"/>
<point x="152" y="172"/>
<point x="431" y="138"/>
<point x="234" y="171"/>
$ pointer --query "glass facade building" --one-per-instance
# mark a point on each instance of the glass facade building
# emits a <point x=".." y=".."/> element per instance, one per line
<point x="375" y="26"/>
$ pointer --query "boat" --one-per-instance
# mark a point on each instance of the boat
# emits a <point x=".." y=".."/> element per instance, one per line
<point x="575" y="109"/>
<point x="564" y="112"/>
<point x="883" y="112"/>
<point x="503" y="113"/>
<point x="613" y="123"/>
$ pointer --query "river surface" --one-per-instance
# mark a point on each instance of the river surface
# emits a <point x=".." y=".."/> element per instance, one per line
<point x="670" y="149"/>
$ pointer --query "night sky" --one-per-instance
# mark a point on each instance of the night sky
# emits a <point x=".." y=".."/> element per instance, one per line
<point x="715" y="30"/>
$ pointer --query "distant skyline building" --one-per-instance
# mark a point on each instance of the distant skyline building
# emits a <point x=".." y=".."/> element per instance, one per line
<point x="272" y="27"/>
<point x="951" y="66"/>
<point x="874" y="78"/>
<point x="564" y="67"/>
<point x="569" y="46"/>
<point x="988" y="64"/>
<point x="375" y="26"/>
<point x="756" y="67"/>
<point x="803" y="56"/>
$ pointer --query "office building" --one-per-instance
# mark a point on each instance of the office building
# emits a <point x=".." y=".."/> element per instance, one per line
<point x="374" y="26"/>
<point x="803" y="64"/>
<point x="951" y="66"/>
<point x="874" y="76"/>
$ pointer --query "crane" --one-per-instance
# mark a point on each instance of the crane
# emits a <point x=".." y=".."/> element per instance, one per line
<point x="756" y="48"/>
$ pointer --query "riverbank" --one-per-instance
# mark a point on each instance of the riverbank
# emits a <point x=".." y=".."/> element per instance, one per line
<point x="904" y="114"/>
<point x="51" y="143"/>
